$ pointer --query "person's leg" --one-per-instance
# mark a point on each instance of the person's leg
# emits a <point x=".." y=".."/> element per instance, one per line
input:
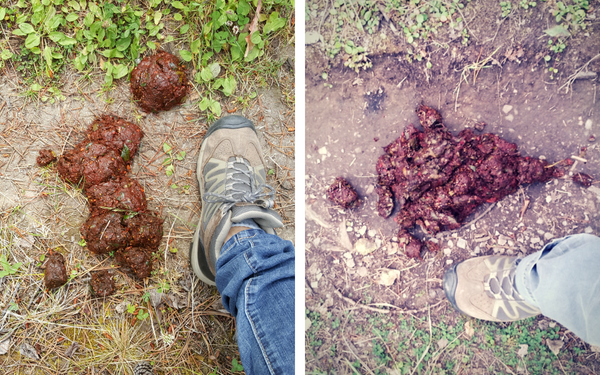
<point x="563" y="281"/>
<point x="253" y="269"/>
<point x="255" y="276"/>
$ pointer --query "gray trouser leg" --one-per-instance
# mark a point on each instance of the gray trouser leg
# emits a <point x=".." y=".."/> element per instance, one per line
<point x="563" y="281"/>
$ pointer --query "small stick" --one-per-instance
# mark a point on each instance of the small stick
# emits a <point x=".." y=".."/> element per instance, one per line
<point x="524" y="208"/>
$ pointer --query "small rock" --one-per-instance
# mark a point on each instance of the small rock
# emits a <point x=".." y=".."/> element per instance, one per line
<point x="502" y="240"/>
<point x="588" y="124"/>
<point x="362" y="230"/>
<point x="372" y="233"/>
<point x="588" y="230"/>
<point x="307" y="324"/>
<point x="350" y="263"/>
<point x="477" y="250"/>
<point x="539" y="221"/>
<point x="447" y="251"/>
<point x="461" y="243"/>
<point x="535" y="240"/>
<point x="510" y="117"/>
<point x="548" y="199"/>
<point x="552" y="324"/>
<point x="364" y="246"/>
<point x="507" y="108"/>
<point x="362" y="271"/>
<point x="323" y="150"/>
<point x="548" y="236"/>
<point x="450" y="244"/>
<point x="595" y="349"/>
<point x="449" y="261"/>
<point x="388" y="277"/>
<point x="432" y="293"/>
<point x="543" y="325"/>
<point x="155" y="297"/>
<point x="121" y="307"/>
<point x="470" y="331"/>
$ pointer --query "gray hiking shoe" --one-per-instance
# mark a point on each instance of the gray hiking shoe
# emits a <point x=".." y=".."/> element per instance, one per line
<point x="233" y="187"/>
<point x="484" y="288"/>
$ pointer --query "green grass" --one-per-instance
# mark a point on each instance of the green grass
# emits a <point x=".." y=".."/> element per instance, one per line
<point x="40" y="38"/>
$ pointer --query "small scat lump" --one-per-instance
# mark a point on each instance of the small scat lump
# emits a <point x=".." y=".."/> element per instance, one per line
<point x="119" y="221"/>
<point x="342" y="193"/>
<point x="103" y="284"/>
<point x="159" y="82"/>
<point x="55" y="274"/>
<point x="438" y="179"/>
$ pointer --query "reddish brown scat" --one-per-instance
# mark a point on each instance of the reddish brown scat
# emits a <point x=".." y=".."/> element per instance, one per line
<point x="343" y="194"/>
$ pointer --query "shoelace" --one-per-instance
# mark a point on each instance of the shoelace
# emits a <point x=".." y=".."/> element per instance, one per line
<point x="234" y="194"/>
<point x="502" y="286"/>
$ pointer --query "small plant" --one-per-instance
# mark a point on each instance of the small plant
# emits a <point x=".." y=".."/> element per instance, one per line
<point x="170" y="169"/>
<point x="236" y="366"/>
<point x="164" y="287"/>
<point x="7" y="268"/>
<point x="506" y="8"/>
<point x="527" y="4"/>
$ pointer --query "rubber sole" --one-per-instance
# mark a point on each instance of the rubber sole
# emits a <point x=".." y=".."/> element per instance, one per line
<point x="198" y="260"/>
<point x="450" y="281"/>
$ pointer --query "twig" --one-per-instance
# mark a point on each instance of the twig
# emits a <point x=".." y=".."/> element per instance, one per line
<point x="573" y="76"/>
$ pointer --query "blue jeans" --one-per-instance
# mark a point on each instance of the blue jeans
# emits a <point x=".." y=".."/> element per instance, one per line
<point x="563" y="281"/>
<point x="255" y="276"/>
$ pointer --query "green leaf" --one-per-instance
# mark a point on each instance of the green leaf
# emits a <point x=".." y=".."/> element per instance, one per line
<point x="157" y="16"/>
<point x="184" y="29"/>
<point x="120" y="71"/>
<point x="229" y="85"/>
<point x="243" y="8"/>
<point x="151" y="45"/>
<point x="18" y="32"/>
<point x="195" y="46"/>
<point x="169" y="170"/>
<point x="54" y="22"/>
<point x="123" y="43"/>
<point x="125" y="153"/>
<point x="2" y="13"/>
<point x="177" y="5"/>
<point x="89" y="19"/>
<point x="56" y="36"/>
<point x="215" y="69"/>
<point x="204" y="103"/>
<point x="215" y="107"/>
<point x="181" y="155"/>
<point x="185" y="55"/>
<point x="557" y="30"/>
<point x="110" y="53"/>
<point x="177" y="17"/>
<point x="255" y="38"/>
<point x="26" y="28"/>
<point x="67" y="41"/>
<point x="130" y="308"/>
<point x="33" y="40"/>
<point x="48" y="56"/>
<point x="167" y="147"/>
<point x="274" y="23"/>
<point x="6" y="54"/>
<point x="206" y="74"/>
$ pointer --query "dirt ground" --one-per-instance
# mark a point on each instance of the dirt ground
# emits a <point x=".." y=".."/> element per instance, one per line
<point x="187" y="329"/>
<point x="355" y="317"/>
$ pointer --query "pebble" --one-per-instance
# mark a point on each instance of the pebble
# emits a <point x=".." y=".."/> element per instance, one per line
<point x="548" y="236"/>
<point x="588" y="124"/>
<point x="447" y="251"/>
<point x="477" y="250"/>
<point x="362" y="230"/>
<point x="548" y="199"/>
<point x="350" y="263"/>
<point x="449" y="261"/>
<point x="502" y="239"/>
<point x="510" y="117"/>
<point x="535" y="240"/>
<point x="540" y="221"/>
<point x="323" y="150"/>
<point x="588" y="230"/>
<point x="461" y="243"/>
<point x="507" y="108"/>
<point x="372" y="233"/>
<point x="450" y="244"/>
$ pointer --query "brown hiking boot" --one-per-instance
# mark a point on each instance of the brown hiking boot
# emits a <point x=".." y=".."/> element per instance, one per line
<point x="484" y="288"/>
<point x="233" y="188"/>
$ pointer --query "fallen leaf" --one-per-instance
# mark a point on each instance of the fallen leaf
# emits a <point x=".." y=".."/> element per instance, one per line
<point x="307" y="324"/>
<point x="312" y="37"/>
<point x="344" y="239"/>
<point x="595" y="349"/>
<point x="72" y="349"/>
<point x="29" y="351"/>
<point x="442" y="343"/>
<point x="523" y="351"/>
<point x="388" y="277"/>
<point x="364" y="246"/>
<point x="4" y="345"/>
<point x="253" y="28"/>
<point x="555" y="345"/>
<point x="469" y="330"/>
<point x="312" y="215"/>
